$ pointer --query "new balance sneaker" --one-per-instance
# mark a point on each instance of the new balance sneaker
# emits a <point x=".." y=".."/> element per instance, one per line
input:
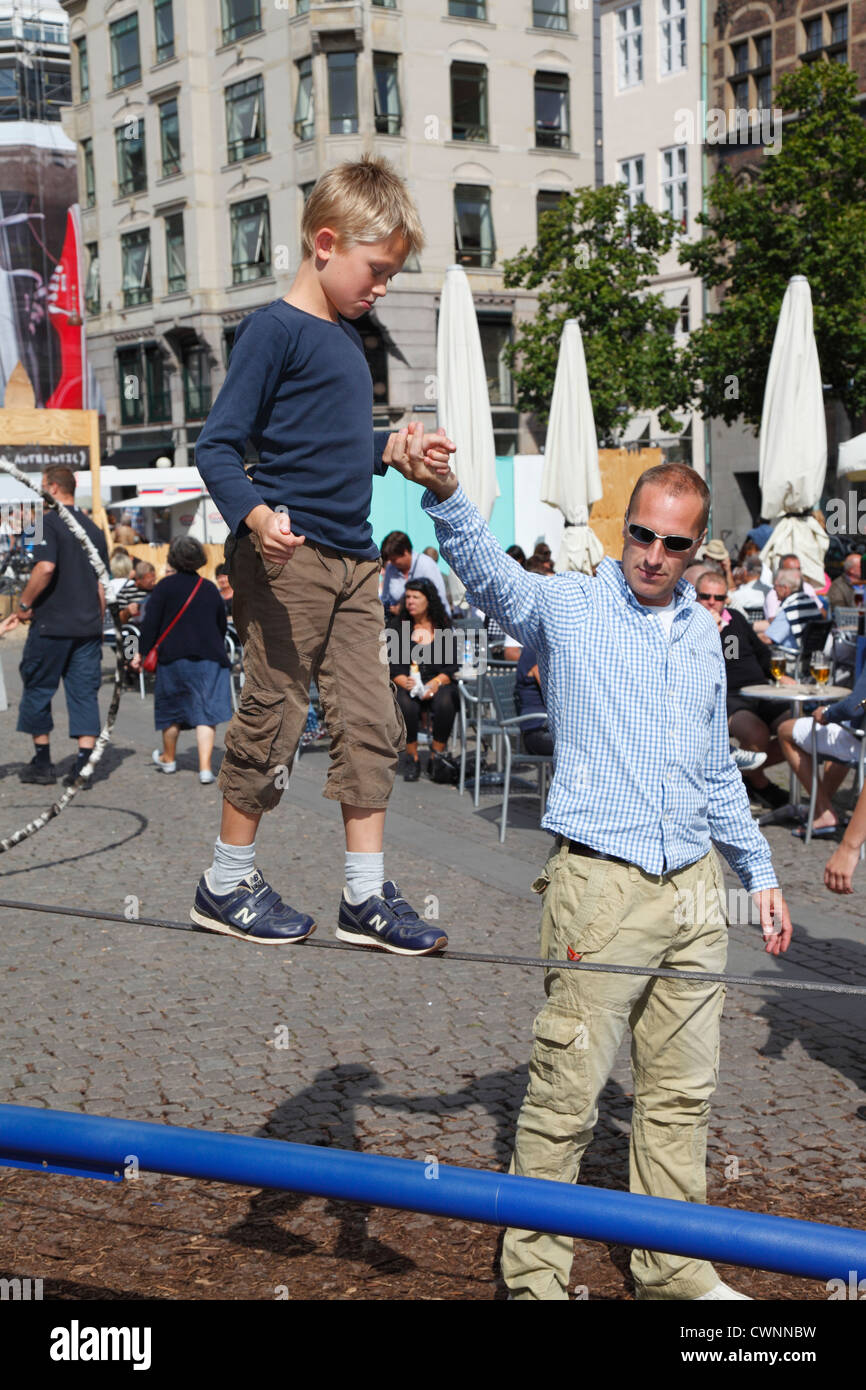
<point x="747" y="759"/>
<point x="253" y="911"/>
<point x="389" y="923"/>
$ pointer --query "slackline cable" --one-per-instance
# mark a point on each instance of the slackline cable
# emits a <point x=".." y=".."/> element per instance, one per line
<point x="749" y="981"/>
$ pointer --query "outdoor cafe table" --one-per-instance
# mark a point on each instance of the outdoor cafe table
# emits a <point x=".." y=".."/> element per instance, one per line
<point x="796" y="696"/>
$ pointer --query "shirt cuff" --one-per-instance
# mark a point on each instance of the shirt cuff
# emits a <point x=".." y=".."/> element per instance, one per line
<point x="756" y="880"/>
<point x="453" y="505"/>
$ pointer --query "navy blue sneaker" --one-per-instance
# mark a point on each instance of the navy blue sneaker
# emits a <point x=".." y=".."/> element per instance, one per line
<point x="254" y="911"/>
<point x="390" y="923"/>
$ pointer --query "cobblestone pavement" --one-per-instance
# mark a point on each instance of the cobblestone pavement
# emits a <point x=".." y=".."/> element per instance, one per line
<point x="365" y="1050"/>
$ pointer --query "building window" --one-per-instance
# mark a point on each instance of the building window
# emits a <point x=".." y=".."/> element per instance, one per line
<point x="251" y="240"/>
<point x="837" y="47"/>
<point x="245" y="119"/>
<point x="169" y="137"/>
<point x="196" y="382"/>
<point x="496" y="333"/>
<point x="826" y="35"/>
<point x="550" y="14"/>
<point x="163" y="19"/>
<point x="131" y="159"/>
<point x="629" y="46"/>
<point x="304" y="113"/>
<point x="302" y="7"/>
<point x="376" y="354"/>
<point x="156" y="383"/>
<point x="89" y="173"/>
<point x="343" y="93"/>
<point x="674" y="182"/>
<point x="546" y="200"/>
<point x="469" y="102"/>
<point x="56" y="92"/>
<point x="685" y="320"/>
<point x="125" y="55"/>
<point x="83" y="70"/>
<point x="551" y="110"/>
<point x="467" y="9"/>
<point x="92" y="290"/>
<point x="135" y="259"/>
<point x="386" y="4"/>
<point x="814" y="32"/>
<point x="228" y="344"/>
<point x="130" y="375"/>
<point x="386" y="94"/>
<point x="672" y="37"/>
<point x="751" y="65"/>
<point x="473" y="226"/>
<point x="175" y="253"/>
<point x="631" y="173"/>
<point x="9" y="105"/>
<point x="240" y="17"/>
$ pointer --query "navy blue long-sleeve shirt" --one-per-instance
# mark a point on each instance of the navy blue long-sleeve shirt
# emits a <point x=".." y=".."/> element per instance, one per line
<point x="299" y="388"/>
<point x="850" y="708"/>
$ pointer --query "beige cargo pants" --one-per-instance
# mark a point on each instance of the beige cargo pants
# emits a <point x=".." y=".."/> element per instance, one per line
<point x="614" y="913"/>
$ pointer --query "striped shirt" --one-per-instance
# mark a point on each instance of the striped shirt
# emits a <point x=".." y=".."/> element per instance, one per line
<point x="642" y="769"/>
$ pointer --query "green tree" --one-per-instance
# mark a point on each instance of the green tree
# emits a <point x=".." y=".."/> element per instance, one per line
<point x="594" y="261"/>
<point x="802" y="213"/>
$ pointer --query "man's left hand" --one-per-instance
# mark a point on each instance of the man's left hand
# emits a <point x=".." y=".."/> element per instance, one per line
<point x="775" y="920"/>
<point x="423" y="458"/>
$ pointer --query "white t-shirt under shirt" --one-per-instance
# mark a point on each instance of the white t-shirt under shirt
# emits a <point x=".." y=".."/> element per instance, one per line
<point x="665" y="615"/>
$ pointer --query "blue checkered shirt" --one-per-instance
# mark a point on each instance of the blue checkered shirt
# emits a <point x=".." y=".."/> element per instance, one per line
<point x="642" y="767"/>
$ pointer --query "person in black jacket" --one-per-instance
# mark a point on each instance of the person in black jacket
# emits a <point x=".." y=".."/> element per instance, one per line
<point x="752" y="723"/>
<point x="423" y="627"/>
<point x="193" y="688"/>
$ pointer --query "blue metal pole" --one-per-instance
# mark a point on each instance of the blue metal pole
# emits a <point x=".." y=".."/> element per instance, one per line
<point x="86" y="1144"/>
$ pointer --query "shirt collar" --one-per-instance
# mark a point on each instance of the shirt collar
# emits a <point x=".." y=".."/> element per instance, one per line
<point x="610" y="572"/>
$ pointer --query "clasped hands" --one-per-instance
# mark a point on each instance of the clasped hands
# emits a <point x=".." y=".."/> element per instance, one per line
<point x="423" y="458"/>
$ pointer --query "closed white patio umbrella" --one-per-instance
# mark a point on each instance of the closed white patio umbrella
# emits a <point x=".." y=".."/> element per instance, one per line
<point x="463" y="398"/>
<point x="793" y="445"/>
<point x="571" y="479"/>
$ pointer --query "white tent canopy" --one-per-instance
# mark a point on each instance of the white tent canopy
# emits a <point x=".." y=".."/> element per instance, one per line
<point x="851" y="464"/>
<point x="793" y="444"/>
<point x="571" y="479"/>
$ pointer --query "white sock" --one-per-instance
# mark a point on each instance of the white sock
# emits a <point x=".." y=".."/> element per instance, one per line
<point x="364" y="875"/>
<point x="231" y="863"/>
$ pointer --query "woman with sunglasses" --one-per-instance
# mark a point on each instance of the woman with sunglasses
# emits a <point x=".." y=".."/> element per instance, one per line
<point x="747" y="662"/>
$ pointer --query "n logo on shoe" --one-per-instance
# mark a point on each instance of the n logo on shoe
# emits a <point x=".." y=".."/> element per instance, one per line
<point x="378" y="923"/>
<point x="244" y="916"/>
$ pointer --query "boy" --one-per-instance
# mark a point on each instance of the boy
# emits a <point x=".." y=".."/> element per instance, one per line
<point x="304" y="568"/>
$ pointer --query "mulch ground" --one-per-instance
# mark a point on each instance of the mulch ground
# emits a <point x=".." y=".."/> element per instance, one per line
<point x="174" y="1238"/>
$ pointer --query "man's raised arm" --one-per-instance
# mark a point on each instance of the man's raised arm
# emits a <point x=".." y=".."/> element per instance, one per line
<point x="493" y="580"/>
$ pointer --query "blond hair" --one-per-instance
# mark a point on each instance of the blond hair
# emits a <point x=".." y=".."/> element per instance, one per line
<point x="362" y="201"/>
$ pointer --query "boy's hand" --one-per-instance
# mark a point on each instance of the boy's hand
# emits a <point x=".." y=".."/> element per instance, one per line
<point x="274" y="530"/>
<point x="423" y="458"/>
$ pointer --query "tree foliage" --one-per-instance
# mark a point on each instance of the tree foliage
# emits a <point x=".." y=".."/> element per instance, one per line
<point x="594" y="261"/>
<point x="803" y="213"/>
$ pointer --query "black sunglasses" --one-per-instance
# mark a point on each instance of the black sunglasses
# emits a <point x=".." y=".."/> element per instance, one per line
<point x="712" y="598"/>
<point x="644" y="536"/>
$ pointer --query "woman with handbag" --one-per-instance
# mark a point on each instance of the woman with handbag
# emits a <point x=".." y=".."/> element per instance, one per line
<point x="182" y="634"/>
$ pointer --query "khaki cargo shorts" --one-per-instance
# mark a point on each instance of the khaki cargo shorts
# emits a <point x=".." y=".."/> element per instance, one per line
<point x="316" y="618"/>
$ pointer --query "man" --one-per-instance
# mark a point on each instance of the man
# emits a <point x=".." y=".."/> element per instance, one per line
<point x="841" y="592"/>
<point x="401" y="564"/>
<point x="65" y="605"/>
<point x="795" y="608"/>
<point x="749" y="598"/>
<point x="633" y="677"/>
<point x="136" y="591"/>
<point x="772" y="603"/>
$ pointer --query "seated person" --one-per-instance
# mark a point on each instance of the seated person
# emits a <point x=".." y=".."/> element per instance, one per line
<point x="772" y="602"/>
<point x="135" y="592"/>
<point x="430" y="685"/>
<point x="402" y="563"/>
<point x="747" y="662"/>
<point x="836" y="741"/>
<point x="120" y="569"/>
<point x="795" y="609"/>
<point x="223" y="583"/>
<point x="749" y="597"/>
<point x="839" y="869"/>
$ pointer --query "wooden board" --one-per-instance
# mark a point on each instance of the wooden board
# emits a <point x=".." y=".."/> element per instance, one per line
<point x="620" y="470"/>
